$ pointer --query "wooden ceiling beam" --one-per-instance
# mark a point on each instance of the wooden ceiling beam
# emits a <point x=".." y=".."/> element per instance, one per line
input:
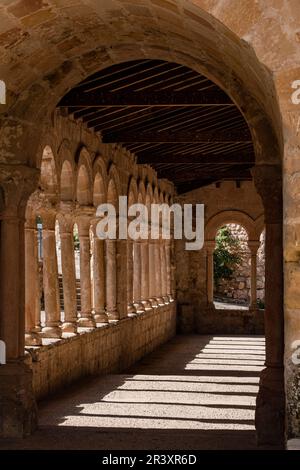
<point x="97" y="99"/>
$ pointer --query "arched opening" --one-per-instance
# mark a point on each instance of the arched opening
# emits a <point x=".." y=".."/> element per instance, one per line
<point x="48" y="178"/>
<point x="232" y="268"/>
<point x="66" y="182"/>
<point x="83" y="187"/>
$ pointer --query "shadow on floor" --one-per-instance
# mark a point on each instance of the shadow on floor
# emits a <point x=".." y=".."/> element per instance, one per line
<point x="195" y="392"/>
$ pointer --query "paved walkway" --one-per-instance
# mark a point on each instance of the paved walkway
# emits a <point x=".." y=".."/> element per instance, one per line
<point x="196" y="392"/>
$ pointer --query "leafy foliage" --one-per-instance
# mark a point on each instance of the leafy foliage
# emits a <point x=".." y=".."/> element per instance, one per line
<point x="226" y="254"/>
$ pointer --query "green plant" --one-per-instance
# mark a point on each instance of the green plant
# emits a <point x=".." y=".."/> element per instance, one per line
<point x="76" y="242"/>
<point x="260" y="304"/>
<point x="226" y="256"/>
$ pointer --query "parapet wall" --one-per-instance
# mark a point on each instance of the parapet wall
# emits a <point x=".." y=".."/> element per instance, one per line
<point x="108" y="349"/>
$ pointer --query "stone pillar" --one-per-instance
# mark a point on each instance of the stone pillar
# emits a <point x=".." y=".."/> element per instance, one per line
<point x="168" y="268"/>
<point x="145" y="275"/>
<point x="270" y="405"/>
<point x="32" y="286"/>
<point x="152" y="275"/>
<point x="158" y="277"/>
<point x="68" y="273"/>
<point x="210" y="248"/>
<point x="17" y="404"/>
<point x="253" y="246"/>
<point x="99" y="288"/>
<point x="137" y="276"/>
<point x="86" y="319"/>
<point x="121" y="278"/>
<point x="111" y="280"/>
<point x="130" y="306"/>
<point x="50" y="277"/>
<point x="163" y="270"/>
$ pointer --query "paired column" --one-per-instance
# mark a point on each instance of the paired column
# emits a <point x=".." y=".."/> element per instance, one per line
<point x="270" y="405"/>
<point x="18" y="410"/>
<point x="130" y="306"/>
<point x="68" y="274"/>
<point x="210" y="248"/>
<point x="111" y="280"/>
<point x="86" y="318"/>
<point x="137" y="276"/>
<point x="152" y="272"/>
<point x="253" y="246"/>
<point x="32" y="286"/>
<point x="100" y="314"/>
<point x="52" y="325"/>
<point x="158" y="276"/>
<point x="145" y="275"/>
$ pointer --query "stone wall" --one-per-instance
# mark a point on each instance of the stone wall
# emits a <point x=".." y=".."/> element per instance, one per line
<point x="108" y="349"/>
<point x="191" y="273"/>
<point x="238" y="286"/>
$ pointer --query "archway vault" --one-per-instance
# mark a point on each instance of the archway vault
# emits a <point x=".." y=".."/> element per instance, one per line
<point x="185" y="35"/>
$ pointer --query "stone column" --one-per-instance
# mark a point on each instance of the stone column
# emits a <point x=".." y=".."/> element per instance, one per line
<point x="130" y="306"/>
<point x="137" y="276"/>
<point x="121" y="278"/>
<point x="32" y="286"/>
<point x="152" y="275"/>
<point x="86" y="319"/>
<point x="253" y="246"/>
<point x="99" y="288"/>
<point x="158" y="277"/>
<point x="111" y="280"/>
<point x="163" y="270"/>
<point x="145" y="275"/>
<point x="17" y="405"/>
<point x="168" y="269"/>
<point x="270" y="405"/>
<point x="210" y="248"/>
<point x="68" y="273"/>
<point x="50" y="277"/>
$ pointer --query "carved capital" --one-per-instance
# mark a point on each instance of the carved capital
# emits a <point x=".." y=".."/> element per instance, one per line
<point x="268" y="183"/>
<point x="17" y="182"/>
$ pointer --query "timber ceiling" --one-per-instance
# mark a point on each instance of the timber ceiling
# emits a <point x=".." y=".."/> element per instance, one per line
<point x="170" y="117"/>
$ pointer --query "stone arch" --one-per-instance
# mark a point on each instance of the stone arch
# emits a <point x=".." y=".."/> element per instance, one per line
<point x="99" y="182"/>
<point x="142" y="193"/>
<point x="229" y="217"/>
<point x="259" y="225"/>
<point x="49" y="180"/>
<point x="247" y="82"/>
<point x="84" y="178"/>
<point x="67" y="181"/>
<point x="132" y="192"/>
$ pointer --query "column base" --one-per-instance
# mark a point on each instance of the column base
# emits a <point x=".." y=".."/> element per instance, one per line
<point x="147" y="305"/>
<point x="139" y="307"/>
<point x="18" y="408"/>
<point x="113" y="316"/>
<point x="100" y="317"/>
<point x="86" y="322"/>
<point x="131" y="310"/>
<point x="166" y="299"/>
<point x="270" y="407"/>
<point x="51" y="332"/>
<point x="153" y="302"/>
<point x="33" y="339"/>
<point x="160" y="301"/>
<point x="69" y="327"/>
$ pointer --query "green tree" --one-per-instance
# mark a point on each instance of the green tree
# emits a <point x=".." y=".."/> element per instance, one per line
<point x="226" y="254"/>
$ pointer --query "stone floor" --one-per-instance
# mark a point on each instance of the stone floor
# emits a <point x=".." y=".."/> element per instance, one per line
<point x="196" y="392"/>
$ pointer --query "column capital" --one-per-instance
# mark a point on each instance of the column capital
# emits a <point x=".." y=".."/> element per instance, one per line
<point x="17" y="182"/>
<point x="268" y="183"/>
<point x="48" y="216"/>
<point x="253" y="246"/>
